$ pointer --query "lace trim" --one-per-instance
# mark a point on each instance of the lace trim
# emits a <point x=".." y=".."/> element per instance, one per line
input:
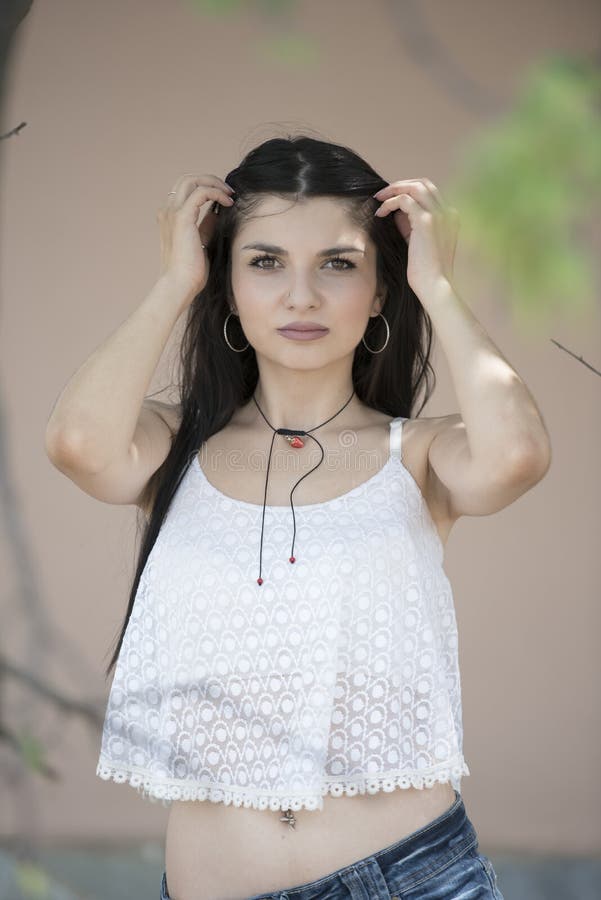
<point x="166" y="790"/>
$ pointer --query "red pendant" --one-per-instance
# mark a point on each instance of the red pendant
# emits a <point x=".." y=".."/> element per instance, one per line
<point x="295" y="441"/>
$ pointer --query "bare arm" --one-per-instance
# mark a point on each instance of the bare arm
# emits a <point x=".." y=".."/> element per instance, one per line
<point x="94" y="418"/>
<point x="102" y="433"/>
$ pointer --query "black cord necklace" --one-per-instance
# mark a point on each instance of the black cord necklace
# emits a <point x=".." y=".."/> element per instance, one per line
<point x="293" y="436"/>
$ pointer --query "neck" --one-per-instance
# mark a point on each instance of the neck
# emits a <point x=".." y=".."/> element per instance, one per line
<point x="299" y="409"/>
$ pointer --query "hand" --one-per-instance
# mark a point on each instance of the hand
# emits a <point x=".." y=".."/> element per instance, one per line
<point x="182" y="237"/>
<point x="428" y="226"/>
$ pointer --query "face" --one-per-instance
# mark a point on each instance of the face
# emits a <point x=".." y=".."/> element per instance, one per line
<point x="302" y="278"/>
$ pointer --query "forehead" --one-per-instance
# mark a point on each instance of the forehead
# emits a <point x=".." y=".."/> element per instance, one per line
<point x="312" y="218"/>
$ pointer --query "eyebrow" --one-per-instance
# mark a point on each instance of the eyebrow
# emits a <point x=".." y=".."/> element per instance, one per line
<point x="273" y="248"/>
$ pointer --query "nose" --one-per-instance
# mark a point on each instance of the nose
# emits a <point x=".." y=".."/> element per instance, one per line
<point x="302" y="297"/>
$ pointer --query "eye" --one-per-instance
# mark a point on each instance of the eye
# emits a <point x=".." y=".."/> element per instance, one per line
<point x="336" y="259"/>
<point x="257" y="259"/>
<point x="342" y="259"/>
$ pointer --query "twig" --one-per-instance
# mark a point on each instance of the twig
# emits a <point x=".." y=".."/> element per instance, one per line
<point x="13" y="131"/>
<point x="579" y="358"/>
<point x="58" y="699"/>
<point x="15" y="743"/>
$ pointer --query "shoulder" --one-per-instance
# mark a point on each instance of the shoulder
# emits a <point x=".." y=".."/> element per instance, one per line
<point x="417" y="436"/>
<point x="421" y="431"/>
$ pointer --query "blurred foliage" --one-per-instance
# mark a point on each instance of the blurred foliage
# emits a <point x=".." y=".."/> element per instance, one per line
<point x="32" y="880"/>
<point x="527" y="189"/>
<point x="291" y="50"/>
<point x="224" y="7"/>
<point x="33" y="754"/>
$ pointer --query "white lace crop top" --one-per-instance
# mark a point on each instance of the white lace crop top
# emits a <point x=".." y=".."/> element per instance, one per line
<point x="338" y="675"/>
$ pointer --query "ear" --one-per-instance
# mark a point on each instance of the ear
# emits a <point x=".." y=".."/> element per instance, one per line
<point x="378" y="303"/>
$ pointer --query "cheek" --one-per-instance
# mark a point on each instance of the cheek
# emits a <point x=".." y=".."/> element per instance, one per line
<point x="250" y="294"/>
<point x="354" y="307"/>
<point x="239" y="282"/>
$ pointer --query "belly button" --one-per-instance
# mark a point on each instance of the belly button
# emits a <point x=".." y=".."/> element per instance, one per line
<point x="289" y="818"/>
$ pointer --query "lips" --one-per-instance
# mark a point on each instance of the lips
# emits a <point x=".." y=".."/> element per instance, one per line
<point x="303" y="332"/>
<point x="305" y="326"/>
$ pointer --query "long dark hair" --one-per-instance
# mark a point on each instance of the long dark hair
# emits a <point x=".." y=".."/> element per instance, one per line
<point x="215" y="381"/>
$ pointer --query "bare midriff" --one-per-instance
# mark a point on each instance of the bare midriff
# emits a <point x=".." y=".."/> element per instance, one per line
<point x="219" y="852"/>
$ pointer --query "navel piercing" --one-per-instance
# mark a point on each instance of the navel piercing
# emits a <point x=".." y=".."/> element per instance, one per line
<point x="288" y="817"/>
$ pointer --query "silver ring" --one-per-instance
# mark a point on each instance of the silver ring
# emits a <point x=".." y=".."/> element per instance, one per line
<point x="172" y="192"/>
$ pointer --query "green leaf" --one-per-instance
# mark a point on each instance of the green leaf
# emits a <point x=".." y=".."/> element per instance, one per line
<point x="527" y="188"/>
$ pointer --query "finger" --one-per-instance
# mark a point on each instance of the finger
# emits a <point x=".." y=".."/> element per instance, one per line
<point x="202" y="195"/>
<point x="197" y="197"/>
<point x="435" y="193"/>
<point x="177" y="199"/>
<point x="410" y="188"/>
<point x="421" y="189"/>
<point x="407" y="204"/>
<point x="414" y="187"/>
<point x="204" y="178"/>
<point x="185" y="184"/>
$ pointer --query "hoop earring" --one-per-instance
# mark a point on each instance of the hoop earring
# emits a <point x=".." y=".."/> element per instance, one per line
<point x="225" y="336"/>
<point x="387" y="337"/>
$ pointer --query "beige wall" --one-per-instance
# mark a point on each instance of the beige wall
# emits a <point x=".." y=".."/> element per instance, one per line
<point x="120" y="99"/>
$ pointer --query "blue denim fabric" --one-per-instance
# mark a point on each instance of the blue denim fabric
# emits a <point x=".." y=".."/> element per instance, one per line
<point x="439" y="861"/>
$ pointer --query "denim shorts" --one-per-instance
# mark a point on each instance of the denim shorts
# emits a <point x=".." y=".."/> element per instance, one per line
<point x="439" y="861"/>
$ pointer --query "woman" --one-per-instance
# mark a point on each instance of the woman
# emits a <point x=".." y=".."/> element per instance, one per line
<point x="295" y="666"/>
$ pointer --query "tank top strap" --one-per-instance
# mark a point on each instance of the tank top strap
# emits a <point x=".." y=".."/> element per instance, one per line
<point x="396" y="433"/>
